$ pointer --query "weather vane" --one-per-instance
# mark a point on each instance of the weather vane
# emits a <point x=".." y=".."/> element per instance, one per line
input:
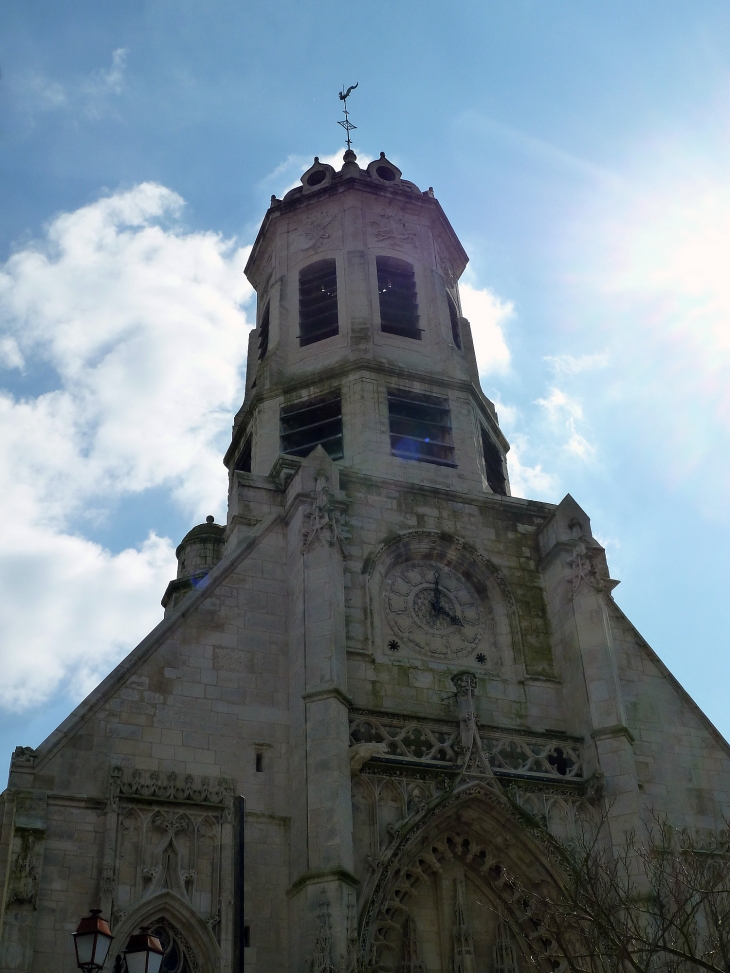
<point x="347" y="124"/>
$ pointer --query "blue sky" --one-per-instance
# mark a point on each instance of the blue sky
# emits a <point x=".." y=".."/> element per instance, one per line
<point x="580" y="150"/>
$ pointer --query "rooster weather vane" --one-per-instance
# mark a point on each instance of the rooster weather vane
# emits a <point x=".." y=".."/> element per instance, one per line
<point x="347" y="124"/>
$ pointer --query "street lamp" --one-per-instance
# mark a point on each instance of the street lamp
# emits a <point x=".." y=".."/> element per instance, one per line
<point x="144" y="952"/>
<point x="92" y="940"/>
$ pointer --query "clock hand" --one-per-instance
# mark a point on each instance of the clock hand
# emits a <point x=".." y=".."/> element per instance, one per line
<point x="454" y="619"/>
<point x="436" y="600"/>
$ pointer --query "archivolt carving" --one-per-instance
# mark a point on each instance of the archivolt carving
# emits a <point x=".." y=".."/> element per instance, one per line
<point x="475" y="827"/>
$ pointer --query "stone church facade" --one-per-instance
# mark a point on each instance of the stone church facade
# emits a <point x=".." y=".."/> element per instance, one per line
<point x="375" y="678"/>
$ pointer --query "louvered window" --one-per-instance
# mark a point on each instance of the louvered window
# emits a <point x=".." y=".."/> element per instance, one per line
<point x="318" y="302"/>
<point x="420" y="427"/>
<point x="312" y="423"/>
<point x="243" y="461"/>
<point x="397" y="292"/>
<point x="454" y="317"/>
<point x="264" y="333"/>
<point x="494" y="465"/>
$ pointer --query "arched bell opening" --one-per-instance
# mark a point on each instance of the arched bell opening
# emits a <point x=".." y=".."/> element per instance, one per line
<point x="451" y="895"/>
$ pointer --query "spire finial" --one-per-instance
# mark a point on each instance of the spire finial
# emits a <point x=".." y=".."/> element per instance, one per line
<point x="347" y="124"/>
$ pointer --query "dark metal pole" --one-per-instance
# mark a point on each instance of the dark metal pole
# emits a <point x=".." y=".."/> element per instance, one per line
<point x="239" y="911"/>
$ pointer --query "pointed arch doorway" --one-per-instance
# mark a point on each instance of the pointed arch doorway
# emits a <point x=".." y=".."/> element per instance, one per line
<point x="189" y="944"/>
<point x="439" y="899"/>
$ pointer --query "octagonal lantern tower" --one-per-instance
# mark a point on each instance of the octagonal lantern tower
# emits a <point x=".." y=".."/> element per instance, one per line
<point x="356" y="276"/>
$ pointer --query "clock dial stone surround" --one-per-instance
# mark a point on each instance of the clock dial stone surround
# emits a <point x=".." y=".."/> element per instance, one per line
<point x="433" y="609"/>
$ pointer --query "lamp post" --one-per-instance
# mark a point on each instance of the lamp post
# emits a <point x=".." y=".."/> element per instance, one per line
<point x="92" y="940"/>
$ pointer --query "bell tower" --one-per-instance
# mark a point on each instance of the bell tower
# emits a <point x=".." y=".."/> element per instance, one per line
<point x="360" y="345"/>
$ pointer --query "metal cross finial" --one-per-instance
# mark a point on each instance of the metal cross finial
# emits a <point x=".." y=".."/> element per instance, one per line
<point x="347" y="124"/>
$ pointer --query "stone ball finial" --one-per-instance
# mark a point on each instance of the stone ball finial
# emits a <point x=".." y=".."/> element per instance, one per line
<point x="209" y="519"/>
<point x="316" y="158"/>
<point x="382" y="155"/>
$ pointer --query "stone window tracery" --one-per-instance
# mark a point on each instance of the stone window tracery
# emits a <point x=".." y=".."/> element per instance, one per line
<point x="175" y="958"/>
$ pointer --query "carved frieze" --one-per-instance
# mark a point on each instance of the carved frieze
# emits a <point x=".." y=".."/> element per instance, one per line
<point x="153" y="785"/>
<point x="509" y="753"/>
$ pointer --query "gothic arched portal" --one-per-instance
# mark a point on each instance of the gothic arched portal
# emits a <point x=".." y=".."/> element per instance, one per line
<point x="438" y="899"/>
<point x="189" y="944"/>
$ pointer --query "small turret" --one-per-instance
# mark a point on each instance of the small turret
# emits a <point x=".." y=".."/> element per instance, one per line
<point x="198" y="552"/>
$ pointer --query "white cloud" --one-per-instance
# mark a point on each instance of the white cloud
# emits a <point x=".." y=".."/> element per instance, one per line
<point x="70" y="609"/>
<point x="95" y="90"/>
<point x="10" y="356"/>
<point x="525" y="480"/>
<point x="564" y="413"/>
<point x="487" y="315"/>
<point x="142" y="323"/>
<point x="89" y="93"/>
<point x="42" y="94"/>
<point x="570" y="365"/>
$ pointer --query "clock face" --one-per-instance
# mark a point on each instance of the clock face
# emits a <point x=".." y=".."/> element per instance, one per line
<point x="433" y="609"/>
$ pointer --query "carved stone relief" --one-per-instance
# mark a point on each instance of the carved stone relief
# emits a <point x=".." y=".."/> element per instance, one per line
<point x="323" y="520"/>
<point x="585" y="569"/>
<point x="393" y="231"/>
<point x="25" y="868"/>
<point x="318" y="231"/>
<point x="165" y="833"/>
<point x="321" y="959"/>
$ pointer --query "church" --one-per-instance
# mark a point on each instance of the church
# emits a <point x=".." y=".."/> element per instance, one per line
<point x="380" y="683"/>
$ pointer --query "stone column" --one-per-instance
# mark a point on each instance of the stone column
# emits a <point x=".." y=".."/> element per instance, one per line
<point x="323" y="855"/>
